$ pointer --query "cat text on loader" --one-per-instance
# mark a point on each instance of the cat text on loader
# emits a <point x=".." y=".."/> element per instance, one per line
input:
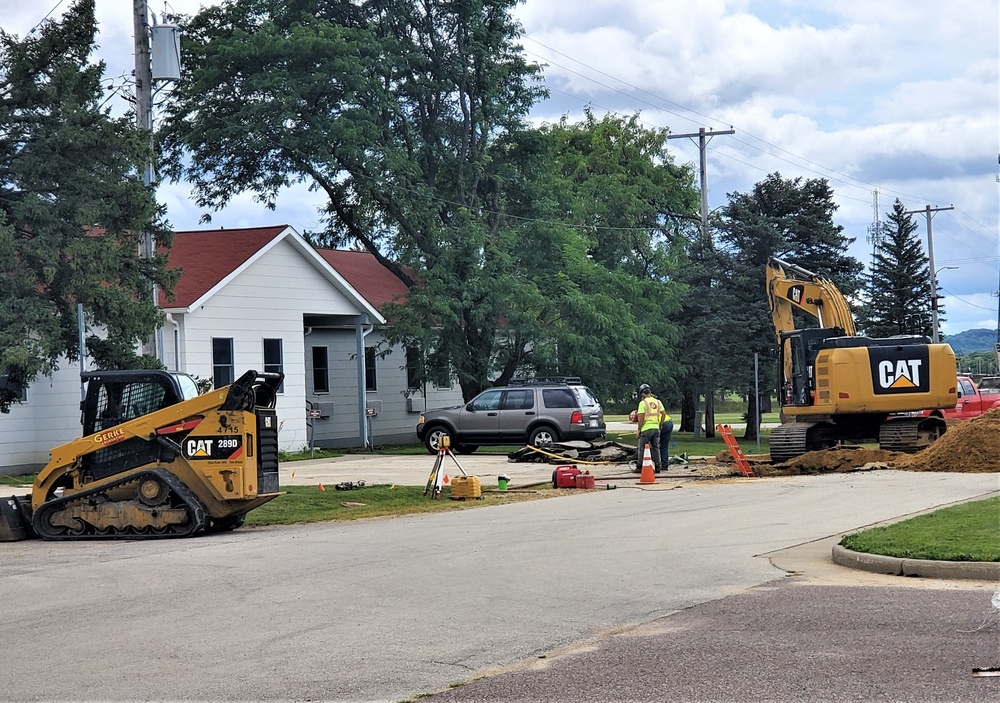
<point x="154" y="464"/>
<point x="837" y="386"/>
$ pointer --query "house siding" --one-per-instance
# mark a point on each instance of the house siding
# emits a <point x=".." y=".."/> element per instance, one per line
<point x="394" y="423"/>
<point x="267" y="300"/>
<point x="50" y="417"/>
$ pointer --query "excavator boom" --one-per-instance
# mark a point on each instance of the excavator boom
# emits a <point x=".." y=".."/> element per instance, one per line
<point x="790" y="287"/>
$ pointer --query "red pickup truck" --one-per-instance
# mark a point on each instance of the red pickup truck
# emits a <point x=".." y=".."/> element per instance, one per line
<point x="972" y="402"/>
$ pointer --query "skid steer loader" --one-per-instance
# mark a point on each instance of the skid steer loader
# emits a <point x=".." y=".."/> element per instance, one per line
<point x="156" y="460"/>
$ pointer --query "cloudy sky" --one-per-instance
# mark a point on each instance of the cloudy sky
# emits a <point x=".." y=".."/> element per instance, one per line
<point x="899" y="96"/>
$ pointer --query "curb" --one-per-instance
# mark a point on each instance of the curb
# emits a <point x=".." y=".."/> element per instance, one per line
<point x="925" y="568"/>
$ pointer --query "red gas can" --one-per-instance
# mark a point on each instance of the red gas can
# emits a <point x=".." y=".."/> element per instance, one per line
<point x="565" y="477"/>
<point x="585" y="481"/>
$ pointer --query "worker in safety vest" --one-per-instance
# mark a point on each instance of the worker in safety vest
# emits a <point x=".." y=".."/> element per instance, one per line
<point x="648" y="416"/>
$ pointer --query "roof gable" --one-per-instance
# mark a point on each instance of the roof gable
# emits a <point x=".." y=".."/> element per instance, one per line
<point x="210" y="259"/>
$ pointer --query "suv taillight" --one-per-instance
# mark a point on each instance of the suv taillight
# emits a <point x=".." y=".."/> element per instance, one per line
<point x="576" y="418"/>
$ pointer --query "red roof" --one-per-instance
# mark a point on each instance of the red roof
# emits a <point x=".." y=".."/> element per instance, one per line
<point x="376" y="284"/>
<point x="208" y="256"/>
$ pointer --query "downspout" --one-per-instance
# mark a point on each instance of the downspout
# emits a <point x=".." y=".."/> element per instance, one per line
<point x="177" y="341"/>
<point x="360" y="334"/>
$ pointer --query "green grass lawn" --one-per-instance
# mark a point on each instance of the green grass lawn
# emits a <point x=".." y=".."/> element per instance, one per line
<point x="304" y="504"/>
<point x="966" y="532"/>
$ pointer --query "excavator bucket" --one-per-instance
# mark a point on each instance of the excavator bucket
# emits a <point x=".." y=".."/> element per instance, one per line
<point x="15" y="519"/>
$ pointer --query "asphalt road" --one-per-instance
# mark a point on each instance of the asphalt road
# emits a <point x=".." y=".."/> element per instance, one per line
<point x="677" y="592"/>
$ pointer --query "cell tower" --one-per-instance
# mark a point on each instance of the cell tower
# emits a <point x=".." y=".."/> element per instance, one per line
<point x="874" y="237"/>
<point x="875" y="228"/>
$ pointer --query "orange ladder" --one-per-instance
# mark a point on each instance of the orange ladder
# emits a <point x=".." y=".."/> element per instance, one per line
<point x="734" y="448"/>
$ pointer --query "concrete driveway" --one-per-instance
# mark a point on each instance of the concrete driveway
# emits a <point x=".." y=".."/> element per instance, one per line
<point x="385" y="610"/>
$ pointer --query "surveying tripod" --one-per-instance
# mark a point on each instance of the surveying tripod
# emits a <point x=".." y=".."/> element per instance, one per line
<point x="436" y="479"/>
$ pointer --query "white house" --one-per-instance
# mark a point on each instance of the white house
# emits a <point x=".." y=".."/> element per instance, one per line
<point x="262" y="298"/>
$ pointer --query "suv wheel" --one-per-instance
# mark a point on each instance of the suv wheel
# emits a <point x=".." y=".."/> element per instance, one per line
<point x="433" y="438"/>
<point x="543" y="436"/>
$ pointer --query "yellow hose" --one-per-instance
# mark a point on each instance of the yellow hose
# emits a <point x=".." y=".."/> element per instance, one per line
<point x="575" y="461"/>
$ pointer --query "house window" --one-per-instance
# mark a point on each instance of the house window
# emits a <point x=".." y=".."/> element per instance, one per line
<point x="18" y="392"/>
<point x="371" y="380"/>
<point x="413" y="364"/>
<point x="272" y="360"/>
<point x="223" y="371"/>
<point x="439" y="370"/>
<point x="321" y="370"/>
<point x="440" y="374"/>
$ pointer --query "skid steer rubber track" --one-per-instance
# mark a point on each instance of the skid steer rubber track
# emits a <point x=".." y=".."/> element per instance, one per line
<point x="156" y="504"/>
<point x="909" y="434"/>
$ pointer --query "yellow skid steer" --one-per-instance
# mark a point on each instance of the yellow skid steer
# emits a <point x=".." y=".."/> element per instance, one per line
<point x="156" y="460"/>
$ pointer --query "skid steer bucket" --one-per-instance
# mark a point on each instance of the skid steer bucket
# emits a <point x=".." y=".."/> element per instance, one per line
<point x="15" y="518"/>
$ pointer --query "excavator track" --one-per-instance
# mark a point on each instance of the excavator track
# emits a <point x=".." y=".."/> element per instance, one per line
<point x="790" y="440"/>
<point x="909" y="434"/>
<point x="151" y="504"/>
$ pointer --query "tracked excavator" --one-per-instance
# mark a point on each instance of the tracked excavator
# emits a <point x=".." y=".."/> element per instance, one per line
<point x="156" y="460"/>
<point x="840" y="387"/>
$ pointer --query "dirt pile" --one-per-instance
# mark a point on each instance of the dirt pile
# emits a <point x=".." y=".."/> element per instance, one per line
<point x="831" y="461"/>
<point x="971" y="446"/>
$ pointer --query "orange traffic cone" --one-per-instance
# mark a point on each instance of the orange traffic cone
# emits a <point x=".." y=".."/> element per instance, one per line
<point x="321" y="487"/>
<point x="648" y="470"/>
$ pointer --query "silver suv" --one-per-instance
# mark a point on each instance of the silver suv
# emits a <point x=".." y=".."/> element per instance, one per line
<point x="535" y="411"/>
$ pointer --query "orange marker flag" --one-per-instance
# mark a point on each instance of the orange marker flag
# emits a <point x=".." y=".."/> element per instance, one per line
<point x="321" y="487"/>
<point x="446" y="479"/>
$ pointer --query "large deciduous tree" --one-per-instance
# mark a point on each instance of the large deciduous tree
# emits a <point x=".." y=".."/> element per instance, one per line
<point x="409" y="116"/>
<point x="593" y="205"/>
<point x="899" y="300"/>
<point x="73" y="207"/>
<point x="788" y="219"/>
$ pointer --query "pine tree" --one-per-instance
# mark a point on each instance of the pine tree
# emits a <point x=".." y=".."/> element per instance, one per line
<point x="898" y="286"/>
<point x="73" y="205"/>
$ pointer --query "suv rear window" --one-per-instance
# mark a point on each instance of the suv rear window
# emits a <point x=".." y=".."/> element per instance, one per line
<point x="587" y="399"/>
<point x="558" y="398"/>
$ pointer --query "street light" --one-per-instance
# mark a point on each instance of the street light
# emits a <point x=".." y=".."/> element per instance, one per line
<point x="935" y="334"/>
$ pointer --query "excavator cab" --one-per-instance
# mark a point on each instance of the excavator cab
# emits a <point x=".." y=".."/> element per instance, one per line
<point x="797" y="357"/>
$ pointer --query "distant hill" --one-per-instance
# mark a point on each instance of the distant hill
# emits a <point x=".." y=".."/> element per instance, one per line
<point x="972" y="341"/>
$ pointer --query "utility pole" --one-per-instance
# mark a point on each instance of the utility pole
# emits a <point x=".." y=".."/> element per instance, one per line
<point x="144" y="120"/>
<point x="704" y="137"/>
<point x="928" y="213"/>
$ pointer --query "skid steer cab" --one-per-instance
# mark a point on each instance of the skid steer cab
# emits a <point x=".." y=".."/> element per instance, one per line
<point x="156" y="460"/>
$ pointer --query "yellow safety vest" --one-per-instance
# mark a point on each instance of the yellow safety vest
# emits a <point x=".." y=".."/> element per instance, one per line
<point x="651" y="407"/>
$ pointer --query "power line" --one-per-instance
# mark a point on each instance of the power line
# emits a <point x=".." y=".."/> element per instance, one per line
<point x="825" y="169"/>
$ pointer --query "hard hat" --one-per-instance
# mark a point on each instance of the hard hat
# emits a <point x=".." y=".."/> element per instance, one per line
<point x="644" y="388"/>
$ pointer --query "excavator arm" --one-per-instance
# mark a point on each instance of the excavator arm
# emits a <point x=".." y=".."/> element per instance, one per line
<point x="790" y="287"/>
